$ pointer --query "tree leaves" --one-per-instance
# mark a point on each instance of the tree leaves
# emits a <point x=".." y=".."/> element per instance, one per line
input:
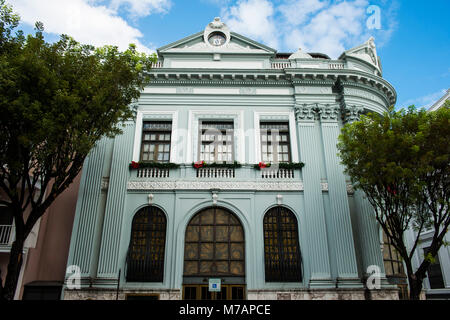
<point x="57" y="100"/>
<point x="401" y="161"/>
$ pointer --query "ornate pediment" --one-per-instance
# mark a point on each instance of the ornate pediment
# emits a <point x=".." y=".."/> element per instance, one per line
<point x="226" y="42"/>
<point x="366" y="52"/>
<point x="231" y="47"/>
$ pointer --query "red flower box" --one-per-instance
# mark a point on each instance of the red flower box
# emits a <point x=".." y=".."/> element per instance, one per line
<point x="134" y="165"/>
<point x="199" y="164"/>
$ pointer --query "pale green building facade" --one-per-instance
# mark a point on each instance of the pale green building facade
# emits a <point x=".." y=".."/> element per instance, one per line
<point x="248" y="94"/>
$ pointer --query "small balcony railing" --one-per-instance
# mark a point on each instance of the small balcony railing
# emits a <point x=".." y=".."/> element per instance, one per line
<point x="153" y="173"/>
<point x="157" y="65"/>
<point x="186" y="172"/>
<point x="268" y="173"/>
<point x="5" y="234"/>
<point x="215" y="173"/>
<point x="336" y="65"/>
<point x="280" y="64"/>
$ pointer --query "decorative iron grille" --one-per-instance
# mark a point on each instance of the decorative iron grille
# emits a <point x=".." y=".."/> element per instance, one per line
<point x="145" y="261"/>
<point x="281" y="246"/>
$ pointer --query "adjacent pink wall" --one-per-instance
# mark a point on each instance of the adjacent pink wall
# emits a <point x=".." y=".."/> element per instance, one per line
<point x="47" y="262"/>
<point x="4" y="258"/>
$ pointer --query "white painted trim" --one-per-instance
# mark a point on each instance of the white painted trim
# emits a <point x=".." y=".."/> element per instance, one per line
<point x="241" y="132"/>
<point x="293" y="137"/>
<point x="21" y="274"/>
<point x="290" y="116"/>
<point x="189" y="152"/>
<point x="257" y="135"/>
<point x="147" y="115"/>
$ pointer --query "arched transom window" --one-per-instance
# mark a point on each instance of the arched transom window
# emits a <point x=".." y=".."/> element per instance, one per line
<point x="214" y="245"/>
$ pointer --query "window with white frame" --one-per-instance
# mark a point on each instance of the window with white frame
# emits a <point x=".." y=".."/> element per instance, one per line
<point x="156" y="138"/>
<point x="275" y="142"/>
<point x="216" y="141"/>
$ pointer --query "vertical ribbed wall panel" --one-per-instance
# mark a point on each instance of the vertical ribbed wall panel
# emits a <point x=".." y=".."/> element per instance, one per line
<point x="87" y="213"/>
<point x="340" y="211"/>
<point x="368" y="235"/>
<point x="109" y="249"/>
<point x="315" y="212"/>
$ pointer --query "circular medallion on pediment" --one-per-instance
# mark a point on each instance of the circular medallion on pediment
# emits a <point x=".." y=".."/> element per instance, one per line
<point x="217" y="34"/>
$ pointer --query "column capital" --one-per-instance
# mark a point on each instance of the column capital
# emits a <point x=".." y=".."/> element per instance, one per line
<point x="329" y="112"/>
<point x="351" y="113"/>
<point x="305" y="112"/>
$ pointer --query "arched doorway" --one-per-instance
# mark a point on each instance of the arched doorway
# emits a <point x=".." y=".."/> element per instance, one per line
<point x="214" y="249"/>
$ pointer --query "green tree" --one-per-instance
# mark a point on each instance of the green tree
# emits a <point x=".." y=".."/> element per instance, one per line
<point x="400" y="160"/>
<point x="57" y="100"/>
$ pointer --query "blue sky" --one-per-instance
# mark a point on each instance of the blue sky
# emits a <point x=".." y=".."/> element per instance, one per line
<point x="412" y="37"/>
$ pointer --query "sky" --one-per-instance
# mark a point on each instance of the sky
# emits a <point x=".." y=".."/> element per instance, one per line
<point x="412" y="37"/>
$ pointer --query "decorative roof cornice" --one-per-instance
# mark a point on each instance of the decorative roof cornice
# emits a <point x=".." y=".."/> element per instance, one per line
<point x="288" y="76"/>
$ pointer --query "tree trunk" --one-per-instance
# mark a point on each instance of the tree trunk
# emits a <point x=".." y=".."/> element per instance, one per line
<point x="14" y="266"/>
<point x="415" y="288"/>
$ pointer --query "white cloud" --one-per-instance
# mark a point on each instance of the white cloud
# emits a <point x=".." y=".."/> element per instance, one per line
<point x="253" y="18"/>
<point x="425" y="101"/>
<point x="87" y="21"/>
<point x="326" y="26"/>
<point x="142" y="8"/>
<point x="296" y="12"/>
<point x="332" y="29"/>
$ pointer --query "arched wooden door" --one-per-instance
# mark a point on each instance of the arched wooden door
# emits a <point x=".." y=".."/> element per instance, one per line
<point x="214" y="248"/>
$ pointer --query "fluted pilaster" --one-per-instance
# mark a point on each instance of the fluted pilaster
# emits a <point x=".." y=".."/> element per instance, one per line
<point x="109" y="249"/>
<point x="346" y="264"/>
<point x="367" y="233"/>
<point x="87" y="210"/>
<point x="315" y="212"/>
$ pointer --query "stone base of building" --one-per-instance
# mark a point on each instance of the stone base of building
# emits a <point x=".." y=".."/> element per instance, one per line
<point x="305" y="294"/>
<point x="105" y="294"/>
<point x="323" y="294"/>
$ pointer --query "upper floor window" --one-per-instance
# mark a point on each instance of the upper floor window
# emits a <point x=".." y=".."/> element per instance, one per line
<point x="156" y="137"/>
<point x="216" y="141"/>
<point x="434" y="271"/>
<point x="275" y="143"/>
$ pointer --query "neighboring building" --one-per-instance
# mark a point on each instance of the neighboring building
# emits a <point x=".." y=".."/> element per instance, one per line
<point x="438" y="104"/>
<point x="46" y="248"/>
<point x="165" y="230"/>
<point x="394" y="268"/>
<point x="437" y="283"/>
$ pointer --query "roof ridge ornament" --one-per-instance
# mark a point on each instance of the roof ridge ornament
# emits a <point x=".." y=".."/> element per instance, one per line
<point x="300" y="54"/>
<point x="217" y="23"/>
<point x="366" y="51"/>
